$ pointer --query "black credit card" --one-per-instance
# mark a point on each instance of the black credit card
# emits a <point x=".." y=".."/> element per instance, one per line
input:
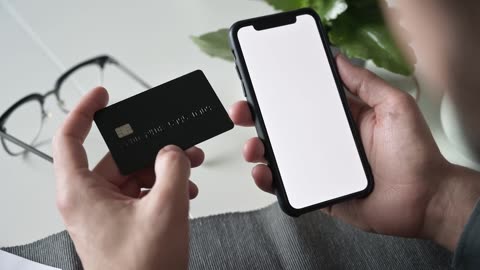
<point x="184" y="112"/>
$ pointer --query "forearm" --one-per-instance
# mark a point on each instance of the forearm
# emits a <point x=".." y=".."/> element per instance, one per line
<point x="451" y="206"/>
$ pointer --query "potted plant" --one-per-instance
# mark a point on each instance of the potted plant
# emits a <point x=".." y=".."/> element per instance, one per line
<point x="355" y="27"/>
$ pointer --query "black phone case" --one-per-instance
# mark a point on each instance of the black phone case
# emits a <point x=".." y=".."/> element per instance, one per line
<point x="276" y="20"/>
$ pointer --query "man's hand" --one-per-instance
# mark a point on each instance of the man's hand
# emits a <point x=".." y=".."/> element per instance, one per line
<point x="411" y="193"/>
<point x="113" y="224"/>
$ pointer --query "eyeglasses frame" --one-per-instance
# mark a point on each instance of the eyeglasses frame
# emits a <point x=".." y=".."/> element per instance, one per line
<point x="101" y="61"/>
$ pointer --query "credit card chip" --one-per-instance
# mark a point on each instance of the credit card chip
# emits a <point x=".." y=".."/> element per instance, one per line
<point x="124" y="130"/>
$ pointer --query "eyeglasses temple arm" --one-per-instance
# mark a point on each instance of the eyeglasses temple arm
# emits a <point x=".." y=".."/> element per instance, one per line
<point x="132" y="74"/>
<point x="26" y="146"/>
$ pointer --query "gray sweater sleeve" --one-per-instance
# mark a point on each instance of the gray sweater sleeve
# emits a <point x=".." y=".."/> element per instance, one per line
<point x="467" y="254"/>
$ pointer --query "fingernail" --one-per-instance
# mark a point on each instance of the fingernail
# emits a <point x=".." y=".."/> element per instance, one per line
<point x="171" y="148"/>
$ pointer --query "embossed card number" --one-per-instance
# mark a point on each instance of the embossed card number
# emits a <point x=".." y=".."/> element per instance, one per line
<point x="184" y="112"/>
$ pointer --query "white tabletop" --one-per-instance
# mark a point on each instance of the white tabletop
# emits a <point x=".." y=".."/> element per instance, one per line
<point x="40" y="39"/>
<point x="153" y="39"/>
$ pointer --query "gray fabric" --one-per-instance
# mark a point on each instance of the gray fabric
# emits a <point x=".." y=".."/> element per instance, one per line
<point x="467" y="254"/>
<point x="56" y="250"/>
<point x="268" y="239"/>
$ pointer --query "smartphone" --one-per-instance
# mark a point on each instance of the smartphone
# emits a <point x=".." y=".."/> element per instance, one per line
<point x="300" y="110"/>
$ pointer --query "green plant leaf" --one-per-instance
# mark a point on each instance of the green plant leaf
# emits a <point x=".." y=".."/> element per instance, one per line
<point x="286" y="5"/>
<point x="356" y="27"/>
<point x="215" y="44"/>
<point x="360" y="32"/>
<point x="327" y="9"/>
<point x="362" y="3"/>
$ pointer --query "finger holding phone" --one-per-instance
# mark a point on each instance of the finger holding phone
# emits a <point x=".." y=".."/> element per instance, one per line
<point x="416" y="193"/>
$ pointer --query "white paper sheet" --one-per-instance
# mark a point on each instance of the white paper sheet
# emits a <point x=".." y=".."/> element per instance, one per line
<point x="12" y="262"/>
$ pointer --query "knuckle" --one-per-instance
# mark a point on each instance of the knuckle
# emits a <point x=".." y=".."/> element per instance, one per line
<point x="402" y="100"/>
<point x="64" y="202"/>
<point x="368" y="75"/>
<point x="367" y="78"/>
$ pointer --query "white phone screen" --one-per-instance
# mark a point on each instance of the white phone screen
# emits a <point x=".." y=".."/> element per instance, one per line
<point x="302" y="112"/>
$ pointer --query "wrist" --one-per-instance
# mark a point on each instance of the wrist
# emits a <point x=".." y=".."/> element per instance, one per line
<point x="451" y="205"/>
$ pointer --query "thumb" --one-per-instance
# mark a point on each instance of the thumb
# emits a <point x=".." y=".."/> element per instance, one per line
<point x="171" y="190"/>
<point x="364" y="84"/>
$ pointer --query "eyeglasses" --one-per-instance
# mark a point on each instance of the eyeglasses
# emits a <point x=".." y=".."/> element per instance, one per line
<point x="19" y="136"/>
